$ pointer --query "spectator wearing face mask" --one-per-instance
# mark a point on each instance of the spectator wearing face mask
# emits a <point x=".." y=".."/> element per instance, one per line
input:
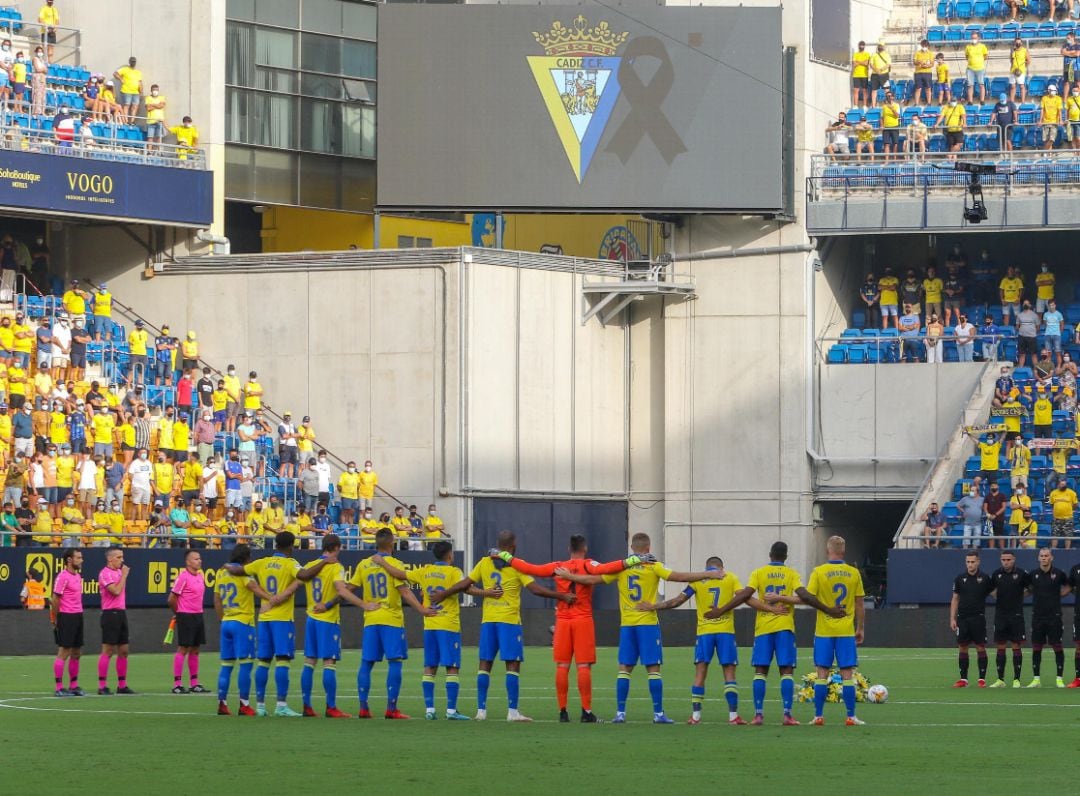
<point x="1066" y="371"/>
<point x="24" y="341"/>
<point x="140" y="361"/>
<point x="322" y="466"/>
<point x="275" y="517"/>
<point x="232" y="403"/>
<point x="369" y="526"/>
<point x="139" y="476"/>
<point x="288" y="452"/>
<point x="39" y="68"/>
<point x="256" y="524"/>
<point x="994" y="506"/>
<point x="101" y="526"/>
<point x="87" y="483"/>
<point x="369" y="479"/>
<point x="219" y="399"/>
<point x="200" y="526"/>
<point x="228" y="530"/>
<point x="104" y="423"/>
<point x="155" y="118"/>
<point x="185" y="394"/>
<point x="72" y="521"/>
<point x="80" y="338"/>
<point x="191" y="478"/>
<point x="247" y="482"/>
<point x="187" y="138"/>
<point x="933" y="526"/>
<point x="1053" y="320"/>
<point x="24" y="516"/>
<point x="348" y="487"/>
<point x="210" y="478"/>
<point x="204" y="433"/>
<point x="164" y="481"/>
<point x="181" y="437"/>
<point x="16" y="384"/>
<point x="911" y="292"/>
<point x="43" y="339"/>
<point x="309" y="484"/>
<point x="1027" y="331"/>
<point x="22" y="429"/>
<point x="965" y="340"/>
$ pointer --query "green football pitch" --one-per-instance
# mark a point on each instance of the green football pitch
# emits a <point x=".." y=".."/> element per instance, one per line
<point x="928" y="736"/>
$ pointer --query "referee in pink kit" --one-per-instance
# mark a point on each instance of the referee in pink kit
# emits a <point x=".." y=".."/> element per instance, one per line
<point x="186" y="600"/>
<point x="112" y="584"/>
<point x="66" y="615"/>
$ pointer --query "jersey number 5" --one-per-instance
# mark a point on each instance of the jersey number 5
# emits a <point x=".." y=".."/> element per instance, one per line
<point x="633" y="588"/>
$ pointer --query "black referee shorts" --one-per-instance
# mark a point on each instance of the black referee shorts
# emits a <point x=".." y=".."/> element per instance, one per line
<point x="190" y="631"/>
<point x="114" y="627"/>
<point x="69" y="631"/>
<point x="1009" y="627"/>
<point x="1047" y="629"/>
<point x="971" y="629"/>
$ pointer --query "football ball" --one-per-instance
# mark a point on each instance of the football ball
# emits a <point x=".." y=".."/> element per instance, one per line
<point x="877" y="694"/>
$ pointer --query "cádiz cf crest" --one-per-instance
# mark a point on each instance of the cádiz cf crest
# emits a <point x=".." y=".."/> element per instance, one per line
<point x="579" y="81"/>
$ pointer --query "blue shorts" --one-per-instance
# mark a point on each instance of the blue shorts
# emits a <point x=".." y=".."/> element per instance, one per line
<point x="237" y="640"/>
<point x="219" y="417"/>
<point x="502" y="638"/>
<point x="722" y="644"/>
<point x="383" y="640"/>
<point x="640" y="643"/>
<point x="840" y="648"/>
<point x="442" y="648"/>
<point x="349" y="504"/>
<point x="1053" y="342"/>
<point x="155" y="129"/>
<point x="780" y="644"/>
<point x="322" y="640"/>
<point x="276" y="640"/>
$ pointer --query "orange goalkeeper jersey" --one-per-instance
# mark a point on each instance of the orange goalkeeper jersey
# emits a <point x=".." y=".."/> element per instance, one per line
<point x="582" y="606"/>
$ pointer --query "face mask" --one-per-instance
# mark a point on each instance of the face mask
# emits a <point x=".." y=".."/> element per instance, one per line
<point x="352" y="469"/>
<point x="153" y="93"/>
<point x="367" y="468"/>
<point x="71" y="502"/>
<point x="322" y="459"/>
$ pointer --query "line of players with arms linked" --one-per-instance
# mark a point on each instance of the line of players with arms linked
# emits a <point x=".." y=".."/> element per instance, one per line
<point x="381" y="585"/>
<point x="1009" y="585"/>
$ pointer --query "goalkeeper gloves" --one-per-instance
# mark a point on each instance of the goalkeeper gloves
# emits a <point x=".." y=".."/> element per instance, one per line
<point x="648" y="558"/>
<point x="632" y="561"/>
<point x="500" y="554"/>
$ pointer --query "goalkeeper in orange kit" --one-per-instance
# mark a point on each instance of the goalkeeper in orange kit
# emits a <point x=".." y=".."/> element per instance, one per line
<point x="575" y="634"/>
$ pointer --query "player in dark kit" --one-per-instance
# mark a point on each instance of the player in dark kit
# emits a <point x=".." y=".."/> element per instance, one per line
<point x="1048" y="585"/>
<point x="1009" y="582"/>
<point x="967" y="616"/>
<point x="1074" y="582"/>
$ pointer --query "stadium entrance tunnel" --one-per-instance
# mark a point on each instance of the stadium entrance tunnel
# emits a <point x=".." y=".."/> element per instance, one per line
<point x="868" y="527"/>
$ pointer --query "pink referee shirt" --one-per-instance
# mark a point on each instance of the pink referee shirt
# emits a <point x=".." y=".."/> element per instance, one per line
<point x="110" y="601"/>
<point x="68" y="588"/>
<point x="189" y="590"/>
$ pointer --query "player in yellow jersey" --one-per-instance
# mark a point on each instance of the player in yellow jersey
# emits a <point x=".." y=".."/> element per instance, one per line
<point x="639" y="633"/>
<point x="442" y="632"/>
<point x="234" y="603"/>
<point x="774" y="634"/>
<point x="714" y="636"/>
<point x="500" y="624"/>
<point x="835" y="638"/>
<point x="384" y="629"/>
<point x="280" y="575"/>
<point x="322" y="633"/>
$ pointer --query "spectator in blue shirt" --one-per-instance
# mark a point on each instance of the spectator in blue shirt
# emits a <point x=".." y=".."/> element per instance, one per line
<point x="935" y="526"/>
<point x="909" y="333"/>
<point x="1053" y="320"/>
<point x="180" y="521"/>
<point x="869" y="294"/>
<point x="321" y="521"/>
<point x="989" y="334"/>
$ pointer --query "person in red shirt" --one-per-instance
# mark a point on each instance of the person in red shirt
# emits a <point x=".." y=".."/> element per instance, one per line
<point x="575" y="635"/>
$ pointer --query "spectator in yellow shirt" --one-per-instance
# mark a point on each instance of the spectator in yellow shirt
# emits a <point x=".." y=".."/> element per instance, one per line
<point x="400" y="524"/>
<point x="923" y="61"/>
<point x="349" y="491"/>
<point x="232" y="405"/>
<point x="368" y="528"/>
<point x="1051" y="116"/>
<point x="1011" y="290"/>
<point x="890" y="126"/>
<point x="889" y="286"/>
<point x="932" y="287"/>
<point x="860" y="77"/>
<point x="880" y="66"/>
<point x="1044" y="289"/>
<point x="1072" y="113"/>
<point x="433" y="524"/>
<point x="131" y="89"/>
<point x="1063" y="500"/>
<point x="104" y="423"/>
<point x="187" y="138"/>
<point x="369" y="479"/>
<point x="253" y="392"/>
<point x="155" y="118"/>
<point x="976" y="54"/>
<point x="49" y="18"/>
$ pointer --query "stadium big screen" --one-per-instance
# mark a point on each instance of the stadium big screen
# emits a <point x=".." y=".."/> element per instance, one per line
<point x="584" y="107"/>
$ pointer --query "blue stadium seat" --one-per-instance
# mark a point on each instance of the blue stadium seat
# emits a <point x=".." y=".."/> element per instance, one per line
<point x="857" y="354"/>
<point x="954" y="34"/>
<point x="849" y="333"/>
<point x="1047" y="30"/>
<point x="944" y="10"/>
<point x="991" y="33"/>
<point x="1029" y="30"/>
<point x="963" y="9"/>
<point x="958" y="87"/>
<point x="1009" y="31"/>
<point x="935" y="34"/>
<point x="858" y="318"/>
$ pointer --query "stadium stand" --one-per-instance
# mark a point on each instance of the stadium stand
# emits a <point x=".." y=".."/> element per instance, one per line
<point x="91" y="402"/>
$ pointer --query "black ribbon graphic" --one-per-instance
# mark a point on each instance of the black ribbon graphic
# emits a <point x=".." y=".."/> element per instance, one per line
<point x="645" y="116"/>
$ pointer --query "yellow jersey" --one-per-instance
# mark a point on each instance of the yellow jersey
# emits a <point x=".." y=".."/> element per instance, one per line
<point x="349" y="485"/>
<point x="838" y="584"/>
<point x="1019" y="61"/>
<point x="1020" y="459"/>
<point x="181" y="436"/>
<point x="130" y="82"/>
<point x="58" y="431"/>
<point x="487" y="574"/>
<point x="988" y="455"/>
<point x="1063" y="501"/>
<point x="237" y="600"/>
<point x="1012" y="422"/>
<point x="889" y="287"/>
<point x="1051" y="109"/>
<point x="49" y="16"/>
<point x="1059" y="459"/>
<point x="1044" y="283"/>
<point x="1043" y="412"/>
<point x="1018" y="503"/>
<point x="933" y="288"/>
<point x="232" y="387"/>
<point x="275" y="573"/>
<point x="5" y="428"/>
<point x="638" y="584"/>
<point x="713" y="593"/>
<point x="65" y="469"/>
<point x="7" y="338"/>
<point x="942" y="72"/>
<point x="165" y="435"/>
<point x="1010" y="289"/>
<point x="435" y="578"/>
<point x="103" y="305"/>
<point x="16" y="380"/>
<point x="953" y="117"/>
<point x="43" y="527"/>
<point x="1072" y="105"/>
<point x="185" y="136"/>
<point x="219" y="399"/>
<point x="252" y="395"/>
<point x="163" y="477"/>
<point x="378" y="586"/>
<point x="192" y="476"/>
<point x="976" y="56"/>
<point x="924" y="62"/>
<point x="890" y="115"/>
<point x="774" y="578"/>
<point x="22" y="343"/>
<point x="103" y="424"/>
<point x="367" y="484"/>
<point x="137" y="341"/>
<point x="321" y="588"/>
<point x="880" y="63"/>
<point x="155" y="108"/>
<point x="74" y="302"/>
<point x="860" y="64"/>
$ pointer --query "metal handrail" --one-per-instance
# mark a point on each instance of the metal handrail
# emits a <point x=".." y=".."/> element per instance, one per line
<point x="108" y="538"/>
<point x="1013" y="541"/>
<point x="17" y="138"/>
